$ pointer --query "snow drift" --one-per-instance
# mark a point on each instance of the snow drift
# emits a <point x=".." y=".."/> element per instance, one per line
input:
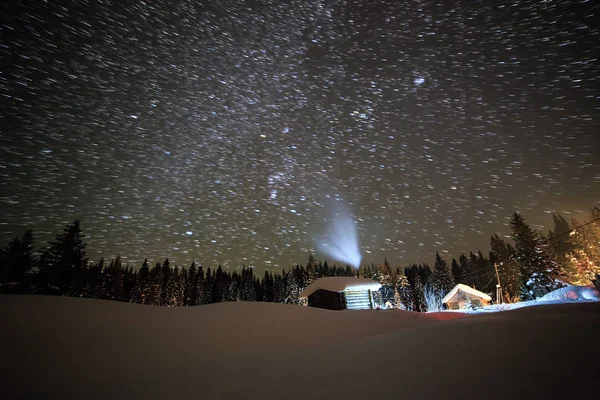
<point x="572" y="293"/>
<point x="56" y="347"/>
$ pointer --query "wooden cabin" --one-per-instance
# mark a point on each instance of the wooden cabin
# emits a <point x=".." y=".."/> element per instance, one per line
<point x="462" y="297"/>
<point x="341" y="293"/>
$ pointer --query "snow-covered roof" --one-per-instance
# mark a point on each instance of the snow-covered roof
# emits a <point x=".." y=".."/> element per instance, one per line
<point x="466" y="289"/>
<point x="340" y="284"/>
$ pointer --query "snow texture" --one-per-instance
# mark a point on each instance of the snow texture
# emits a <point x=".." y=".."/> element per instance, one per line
<point x="95" y="349"/>
<point x="340" y="284"/>
<point x="466" y="289"/>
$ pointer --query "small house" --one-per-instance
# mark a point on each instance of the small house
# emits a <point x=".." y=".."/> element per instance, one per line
<point x="341" y="293"/>
<point x="463" y="297"/>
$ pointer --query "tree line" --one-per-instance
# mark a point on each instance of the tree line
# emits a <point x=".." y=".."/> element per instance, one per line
<point x="528" y="266"/>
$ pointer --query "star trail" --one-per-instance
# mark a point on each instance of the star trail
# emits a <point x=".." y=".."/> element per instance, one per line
<point x="218" y="131"/>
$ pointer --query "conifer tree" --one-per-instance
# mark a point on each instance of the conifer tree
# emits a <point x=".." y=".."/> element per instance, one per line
<point x="201" y="297"/>
<point x="560" y="245"/>
<point x="418" y="292"/>
<point x="484" y="279"/>
<point x="456" y="270"/>
<point x="208" y="286"/>
<point x="584" y="258"/>
<point x="508" y="270"/>
<point x="403" y="296"/>
<point x="311" y="268"/>
<point x="417" y="299"/>
<point x="267" y="287"/>
<point x="535" y="264"/>
<point x="173" y="288"/>
<point x="220" y="284"/>
<point x="154" y="287"/>
<point x="247" y="289"/>
<point x="180" y="292"/>
<point x="141" y="283"/>
<point x="442" y="277"/>
<point x="17" y="259"/>
<point x="387" y="277"/>
<point x="113" y="285"/>
<point x="64" y="261"/>
<point x="279" y="292"/>
<point x="93" y="281"/>
<point x="191" y="285"/>
<point x="233" y="292"/>
<point x="425" y="273"/>
<point x="465" y="269"/>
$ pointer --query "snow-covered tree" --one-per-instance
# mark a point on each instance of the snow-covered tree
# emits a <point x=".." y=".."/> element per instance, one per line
<point x="141" y="283"/>
<point x="584" y="258"/>
<point x="247" y="289"/>
<point x="190" y="286"/>
<point x="538" y="270"/>
<point x="433" y="298"/>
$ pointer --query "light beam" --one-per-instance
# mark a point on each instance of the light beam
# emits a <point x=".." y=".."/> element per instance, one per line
<point x="340" y="241"/>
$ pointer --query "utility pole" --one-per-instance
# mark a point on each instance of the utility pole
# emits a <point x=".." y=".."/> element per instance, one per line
<point x="498" y="286"/>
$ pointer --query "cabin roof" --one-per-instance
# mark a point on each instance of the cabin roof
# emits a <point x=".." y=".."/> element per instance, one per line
<point x="340" y="284"/>
<point x="466" y="289"/>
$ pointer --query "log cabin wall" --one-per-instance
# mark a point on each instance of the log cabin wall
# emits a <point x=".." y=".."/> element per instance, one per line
<point x="326" y="299"/>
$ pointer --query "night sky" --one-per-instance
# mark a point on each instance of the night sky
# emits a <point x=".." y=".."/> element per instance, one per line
<point x="223" y="131"/>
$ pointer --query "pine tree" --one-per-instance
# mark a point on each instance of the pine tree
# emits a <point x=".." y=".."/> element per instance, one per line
<point x="425" y="274"/>
<point x="279" y="292"/>
<point x="191" y="285"/>
<point x="154" y="287"/>
<point x="180" y="293"/>
<point x="560" y="245"/>
<point x="403" y="296"/>
<point x="311" y="269"/>
<point x="267" y="287"/>
<point x="93" y="280"/>
<point x="417" y="298"/>
<point x="220" y="284"/>
<point x="508" y="270"/>
<point x="201" y="296"/>
<point x="64" y="261"/>
<point x="442" y="277"/>
<point x="456" y="271"/>
<point x="164" y="281"/>
<point x="113" y="285"/>
<point x="584" y="258"/>
<point x="465" y="269"/>
<point x="208" y="287"/>
<point x="387" y="277"/>
<point x="535" y="265"/>
<point x="174" y="291"/>
<point x="129" y="281"/>
<point x="418" y="292"/>
<point x="247" y="288"/>
<point x="140" y="288"/>
<point x="17" y="259"/>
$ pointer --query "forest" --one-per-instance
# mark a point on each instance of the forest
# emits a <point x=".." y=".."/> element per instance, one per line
<point x="527" y="264"/>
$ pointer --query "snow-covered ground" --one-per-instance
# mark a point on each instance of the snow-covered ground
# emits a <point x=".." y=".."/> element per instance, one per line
<point x="56" y="347"/>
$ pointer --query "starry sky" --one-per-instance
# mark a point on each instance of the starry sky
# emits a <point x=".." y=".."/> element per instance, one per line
<point x="221" y="131"/>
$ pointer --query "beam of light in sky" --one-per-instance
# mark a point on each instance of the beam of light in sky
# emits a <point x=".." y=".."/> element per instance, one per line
<point x="340" y="241"/>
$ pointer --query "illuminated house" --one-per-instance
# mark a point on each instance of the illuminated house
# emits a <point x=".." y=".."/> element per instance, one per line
<point x="341" y="293"/>
<point x="463" y="296"/>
